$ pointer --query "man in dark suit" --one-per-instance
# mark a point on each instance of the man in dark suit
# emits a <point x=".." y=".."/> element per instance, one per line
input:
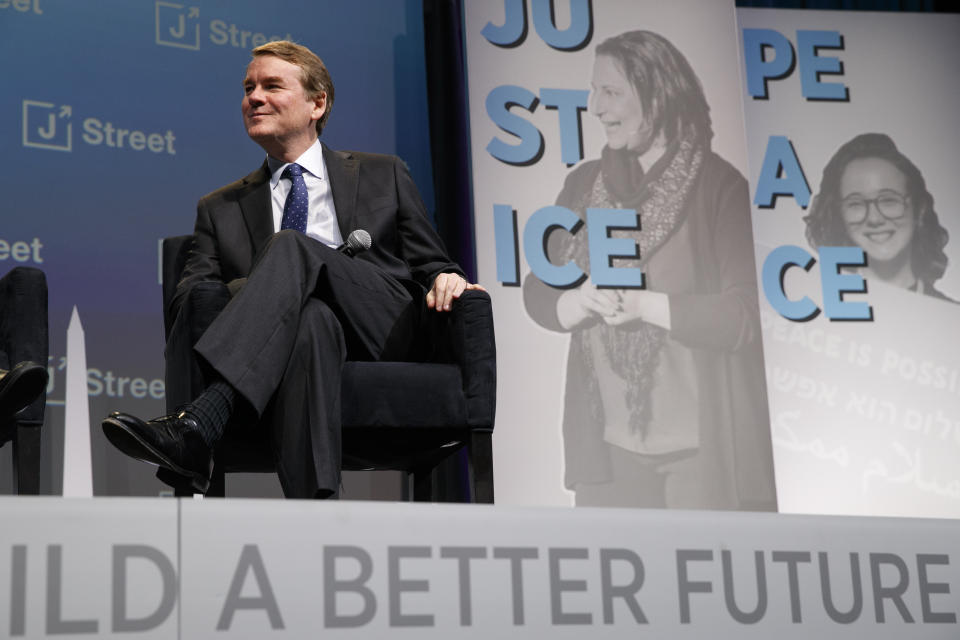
<point x="299" y="307"/>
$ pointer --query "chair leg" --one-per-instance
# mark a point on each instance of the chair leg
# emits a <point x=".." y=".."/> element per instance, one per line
<point x="423" y="485"/>
<point x="218" y="483"/>
<point x="182" y="487"/>
<point x="183" y="491"/>
<point x="26" y="460"/>
<point x="481" y="466"/>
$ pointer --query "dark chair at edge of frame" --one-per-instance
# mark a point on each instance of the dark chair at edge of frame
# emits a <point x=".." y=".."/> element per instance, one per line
<point x="24" y="337"/>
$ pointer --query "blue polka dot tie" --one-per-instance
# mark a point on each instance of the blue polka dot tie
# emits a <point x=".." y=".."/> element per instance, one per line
<point x="295" y="208"/>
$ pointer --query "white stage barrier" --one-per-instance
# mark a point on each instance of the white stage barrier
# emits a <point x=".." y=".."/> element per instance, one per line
<point x="166" y="568"/>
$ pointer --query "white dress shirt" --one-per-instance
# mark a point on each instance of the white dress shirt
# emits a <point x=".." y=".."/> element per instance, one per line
<point x="321" y="214"/>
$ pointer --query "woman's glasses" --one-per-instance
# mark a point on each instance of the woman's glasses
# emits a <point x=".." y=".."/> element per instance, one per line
<point x="890" y="204"/>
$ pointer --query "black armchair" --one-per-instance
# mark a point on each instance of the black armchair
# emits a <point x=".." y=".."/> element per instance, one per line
<point x="24" y="338"/>
<point x="407" y="416"/>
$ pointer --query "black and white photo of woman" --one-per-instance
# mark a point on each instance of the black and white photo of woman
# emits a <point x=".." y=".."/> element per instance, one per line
<point x="665" y="402"/>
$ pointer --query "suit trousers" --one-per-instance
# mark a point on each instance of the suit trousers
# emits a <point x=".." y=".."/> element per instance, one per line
<point x="282" y="340"/>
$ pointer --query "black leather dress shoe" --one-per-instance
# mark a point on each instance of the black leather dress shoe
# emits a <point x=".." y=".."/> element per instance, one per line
<point x="20" y="386"/>
<point x="172" y="442"/>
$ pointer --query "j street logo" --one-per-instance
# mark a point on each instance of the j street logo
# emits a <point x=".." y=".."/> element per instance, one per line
<point x="23" y="6"/>
<point x="178" y="25"/>
<point x="49" y="126"/>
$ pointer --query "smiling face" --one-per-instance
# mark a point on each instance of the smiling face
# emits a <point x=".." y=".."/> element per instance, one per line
<point x="277" y="112"/>
<point x="615" y="102"/>
<point x="877" y="185"/>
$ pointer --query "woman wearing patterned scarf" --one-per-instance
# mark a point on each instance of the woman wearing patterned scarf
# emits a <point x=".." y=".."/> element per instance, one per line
<point x="666" y="400"/>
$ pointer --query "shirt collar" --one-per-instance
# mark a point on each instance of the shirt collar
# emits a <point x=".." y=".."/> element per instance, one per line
<point x="311" y="160"/>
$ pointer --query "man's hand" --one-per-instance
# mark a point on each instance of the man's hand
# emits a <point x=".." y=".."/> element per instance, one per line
<point x="446" y="288"/>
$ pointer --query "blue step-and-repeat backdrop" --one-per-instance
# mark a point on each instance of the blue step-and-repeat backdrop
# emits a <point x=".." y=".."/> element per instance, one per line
<point x="118" y="116"/>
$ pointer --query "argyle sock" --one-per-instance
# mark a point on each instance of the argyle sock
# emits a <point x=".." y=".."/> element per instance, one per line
<point x="212" y="409"/>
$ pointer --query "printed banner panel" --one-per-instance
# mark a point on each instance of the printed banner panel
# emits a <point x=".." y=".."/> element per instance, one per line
<point x="613" y="225"/>
<point x="853" y="175"/>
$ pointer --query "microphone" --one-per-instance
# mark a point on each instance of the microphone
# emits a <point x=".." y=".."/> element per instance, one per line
<point x="357" y="242"/>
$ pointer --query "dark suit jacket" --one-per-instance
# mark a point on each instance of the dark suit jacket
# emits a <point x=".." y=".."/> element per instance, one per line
<point x="370" y="191"/>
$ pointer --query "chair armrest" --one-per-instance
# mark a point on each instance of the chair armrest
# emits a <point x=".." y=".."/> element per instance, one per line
<point x="24" y="327"/>
<point x="472" y="345"/>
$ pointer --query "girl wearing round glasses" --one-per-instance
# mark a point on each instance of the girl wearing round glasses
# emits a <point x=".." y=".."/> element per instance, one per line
<point x="873" y="196"/>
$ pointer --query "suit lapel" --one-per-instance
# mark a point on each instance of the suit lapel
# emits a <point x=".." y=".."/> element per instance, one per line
<point x="344" y="173"/>
<point x="257" y="209"/>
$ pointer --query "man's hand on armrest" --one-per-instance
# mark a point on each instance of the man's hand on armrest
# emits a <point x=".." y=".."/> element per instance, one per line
<point x="446" y="288"/>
